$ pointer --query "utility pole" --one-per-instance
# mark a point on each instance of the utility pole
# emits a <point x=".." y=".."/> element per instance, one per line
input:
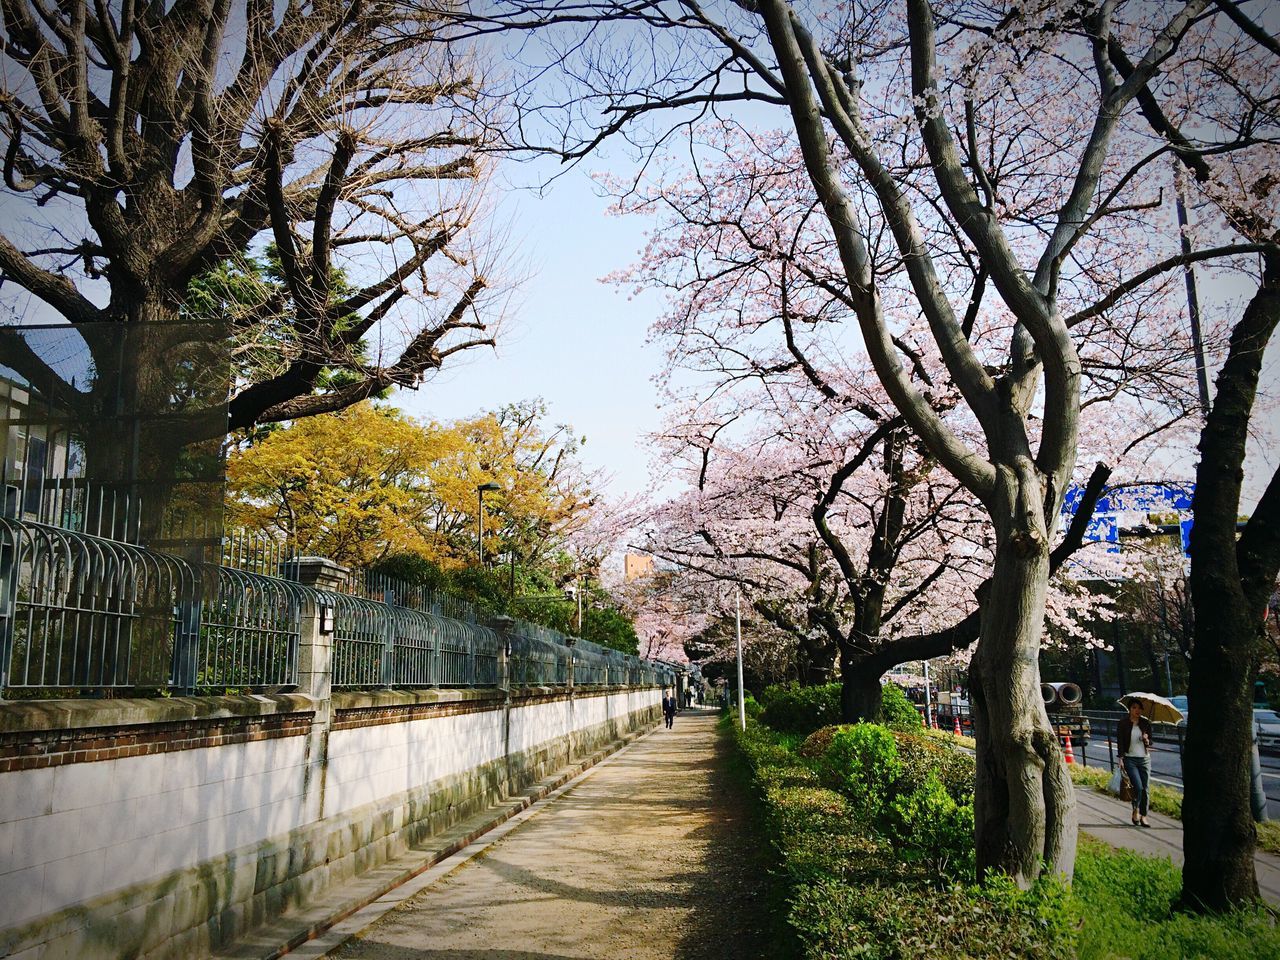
<point x="742" y="696"/>
<point x="1193" y="301"/>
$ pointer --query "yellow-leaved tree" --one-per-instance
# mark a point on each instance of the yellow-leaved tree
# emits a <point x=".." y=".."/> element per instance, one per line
<point x="370" y="481"/>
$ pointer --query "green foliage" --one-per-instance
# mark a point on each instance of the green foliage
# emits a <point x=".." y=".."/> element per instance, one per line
<point x="1129" y="910"/>
<point x="796" y="709"/>
<point x="895" y="922"/>
<point x="816" y="744"/>
<point x="892" y="885"/>
<point x="929" y="824"/>
<point x="852" y="891"/>
<point x="924" y="756"/>
<point x="896" y="711"/>
<point x="862" y="763"/>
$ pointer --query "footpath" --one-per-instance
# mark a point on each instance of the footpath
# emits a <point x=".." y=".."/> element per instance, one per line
<point x="649" y="855"/>
<point x="1107" y="818"/>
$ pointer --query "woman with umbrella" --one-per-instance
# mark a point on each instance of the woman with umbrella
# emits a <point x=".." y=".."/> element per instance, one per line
<point x="1133" y="744"/>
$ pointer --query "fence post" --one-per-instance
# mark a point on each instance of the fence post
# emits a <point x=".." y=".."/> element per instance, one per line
<point x="388" y="677"/>
<point x="186" y="641"/>
<point x="315" y="662"/>
<point x="9" y="572"/>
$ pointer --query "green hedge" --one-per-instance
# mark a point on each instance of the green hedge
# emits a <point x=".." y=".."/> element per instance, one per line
<point x="884" y="869"/>
<point x="792" y="708"/>
<point x="863" y="866"/>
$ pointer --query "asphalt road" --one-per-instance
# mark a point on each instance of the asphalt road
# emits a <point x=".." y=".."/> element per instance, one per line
<point x="1166" y="769"/>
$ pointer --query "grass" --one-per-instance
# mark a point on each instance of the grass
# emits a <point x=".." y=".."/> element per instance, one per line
<point x="1128" y="909"/>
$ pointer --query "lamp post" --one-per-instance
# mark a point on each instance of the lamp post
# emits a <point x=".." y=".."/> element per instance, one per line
<point x="480" y="492"/>
<point x="737" y="621"/>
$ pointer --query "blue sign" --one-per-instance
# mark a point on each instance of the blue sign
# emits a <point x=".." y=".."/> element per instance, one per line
<point x="1104" y="526"/>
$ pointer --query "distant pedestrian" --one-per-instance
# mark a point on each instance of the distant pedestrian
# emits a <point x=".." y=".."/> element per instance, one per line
<point x="1133" y="744"/>
<point x="688" y="698"/>
<point x="669" y="710"/>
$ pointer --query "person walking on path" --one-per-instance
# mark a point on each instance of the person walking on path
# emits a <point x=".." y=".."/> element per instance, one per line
<point x="669" y="710"/>
<point x="1133" y="743"/>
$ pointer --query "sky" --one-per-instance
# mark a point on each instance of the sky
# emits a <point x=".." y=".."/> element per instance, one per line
<point x="567" y="337"/>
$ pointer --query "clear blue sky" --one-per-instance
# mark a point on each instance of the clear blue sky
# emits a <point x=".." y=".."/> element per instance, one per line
<point x="568" y="338"/>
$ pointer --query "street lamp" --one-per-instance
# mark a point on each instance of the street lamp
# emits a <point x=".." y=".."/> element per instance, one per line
<point x="480" y="492"/>
<point x="737" y="623"/>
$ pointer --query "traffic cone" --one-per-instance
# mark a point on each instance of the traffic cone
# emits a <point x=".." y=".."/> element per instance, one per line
<point x="1067" y="755"/>
<point x="923" y="722"/>
<point x="934" y="720"/>
<point x="958" y="733"/>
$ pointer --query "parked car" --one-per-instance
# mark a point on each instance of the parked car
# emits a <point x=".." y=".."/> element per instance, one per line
<point x="1181" y="704"/>
<point x="1267" y="724"/>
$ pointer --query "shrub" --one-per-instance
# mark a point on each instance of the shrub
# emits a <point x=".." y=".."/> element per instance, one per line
<point x="816" y="744"/>
<point x="868" y="887"/>
<point x="923" y="756"/>
<point x="896" y="922"/>
<point x="927" y="824"/>
<point x="796" y="709"/>
<point x="862" y="763"/>
<point x="897" y="712"/>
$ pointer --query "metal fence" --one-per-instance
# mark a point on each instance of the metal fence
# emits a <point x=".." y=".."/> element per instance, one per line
<point x="82" y="615"/>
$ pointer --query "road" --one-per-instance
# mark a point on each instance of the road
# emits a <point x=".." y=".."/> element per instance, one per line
<point x="1166" y="768"/>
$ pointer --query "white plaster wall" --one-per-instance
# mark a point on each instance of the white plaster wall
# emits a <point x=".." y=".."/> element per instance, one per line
<point x="71" y="832"/>
<point x="370" y="763"/>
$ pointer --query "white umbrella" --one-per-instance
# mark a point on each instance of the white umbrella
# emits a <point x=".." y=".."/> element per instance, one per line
<point x="1154" y="707"/>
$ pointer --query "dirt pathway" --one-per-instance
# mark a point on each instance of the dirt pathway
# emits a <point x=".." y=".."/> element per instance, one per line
<point x="652" y="856"/>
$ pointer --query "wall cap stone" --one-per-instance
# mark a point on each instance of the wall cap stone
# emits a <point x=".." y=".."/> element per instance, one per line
<point x="22" y="716"/>
<point x="372" y="699"/>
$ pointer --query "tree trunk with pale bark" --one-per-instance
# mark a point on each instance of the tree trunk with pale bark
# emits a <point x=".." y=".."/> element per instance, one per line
<point x="1024" y="806"/>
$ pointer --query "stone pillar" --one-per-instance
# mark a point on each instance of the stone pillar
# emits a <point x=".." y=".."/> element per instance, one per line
<point x="315" y="662"/>
<point x="504" y="626"/>
<point x="572" y="721"/>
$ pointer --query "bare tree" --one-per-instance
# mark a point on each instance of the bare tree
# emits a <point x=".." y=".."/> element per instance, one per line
<point x="155" y="141"/>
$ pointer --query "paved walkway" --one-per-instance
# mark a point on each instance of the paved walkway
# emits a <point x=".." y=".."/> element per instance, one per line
<point x="650" y="856"/>
<point x="1107" y="818"/>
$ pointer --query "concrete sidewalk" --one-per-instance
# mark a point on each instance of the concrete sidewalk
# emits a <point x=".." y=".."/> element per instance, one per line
<point x="1107" y="818"/>
<point x="649" y="857"/>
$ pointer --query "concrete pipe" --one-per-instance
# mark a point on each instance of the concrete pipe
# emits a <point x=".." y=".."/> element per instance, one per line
<point x="1050" y="694"/>
<point x="1069" y="694"/>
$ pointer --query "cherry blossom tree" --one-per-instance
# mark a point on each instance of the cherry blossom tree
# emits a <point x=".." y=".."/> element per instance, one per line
<point x="986" y="177"/>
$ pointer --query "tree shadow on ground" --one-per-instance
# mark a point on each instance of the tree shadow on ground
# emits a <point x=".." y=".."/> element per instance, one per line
<point x="740" y="911"/>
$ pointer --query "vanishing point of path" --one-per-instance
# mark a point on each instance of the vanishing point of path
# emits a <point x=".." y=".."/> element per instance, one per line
<point x="651" y="856"/>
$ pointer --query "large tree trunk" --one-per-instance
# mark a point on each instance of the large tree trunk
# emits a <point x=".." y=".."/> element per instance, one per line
<point x="861" y="695"/>
<point x="1219" y="836"/>
<point x="816" y="661"/>
<point x="153" y="437"/>
<point x="1024" y="806"/>
<point x="1230" y="584"/>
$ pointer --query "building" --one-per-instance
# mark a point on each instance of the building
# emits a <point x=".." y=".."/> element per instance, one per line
<point x="636" y="566"/>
